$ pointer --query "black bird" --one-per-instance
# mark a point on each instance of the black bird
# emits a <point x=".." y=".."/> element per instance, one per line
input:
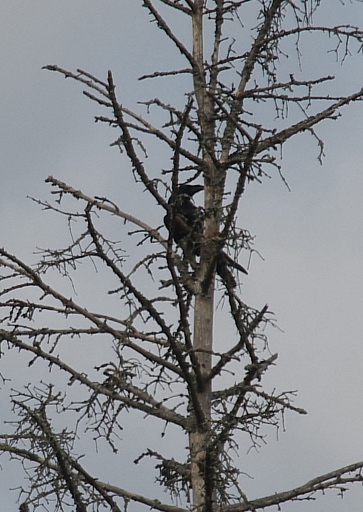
<point x="187" y="226"/>
<point x="185" y="216"/>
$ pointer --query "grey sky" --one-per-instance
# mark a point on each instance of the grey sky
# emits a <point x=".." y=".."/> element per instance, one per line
<point x="311" y="238"/>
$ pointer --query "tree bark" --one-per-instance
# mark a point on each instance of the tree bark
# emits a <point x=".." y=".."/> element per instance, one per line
<point x="203" y="337"/>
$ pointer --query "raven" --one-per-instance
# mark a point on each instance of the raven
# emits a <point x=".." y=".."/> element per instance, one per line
<point x="186" y="216"/>
<point x="187" y="225"/>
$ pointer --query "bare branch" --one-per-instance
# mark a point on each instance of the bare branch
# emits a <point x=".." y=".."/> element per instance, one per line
<point x="62" y="457"/>
<point x="104" y="204"/>
<point x="101" y="487"/>
<point x="306" y="124"/>
<point x="176" y="5"/>
<point x="160" y="74"/>
<point x="248" y="67"/>
<point x="164" y="26"/>
<point x="335" y="479"/>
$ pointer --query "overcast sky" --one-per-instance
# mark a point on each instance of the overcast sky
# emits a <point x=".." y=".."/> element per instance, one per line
<point x="310" y="238"/>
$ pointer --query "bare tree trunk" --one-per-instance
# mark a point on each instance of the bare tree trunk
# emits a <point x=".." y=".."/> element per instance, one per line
<point x="203" y="329"/>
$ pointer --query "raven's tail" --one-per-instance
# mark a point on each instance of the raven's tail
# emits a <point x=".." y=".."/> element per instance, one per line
<point x="227" y="259"/>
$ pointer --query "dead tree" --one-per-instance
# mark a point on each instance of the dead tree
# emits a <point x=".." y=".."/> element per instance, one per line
<point x="154" y="312"/>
